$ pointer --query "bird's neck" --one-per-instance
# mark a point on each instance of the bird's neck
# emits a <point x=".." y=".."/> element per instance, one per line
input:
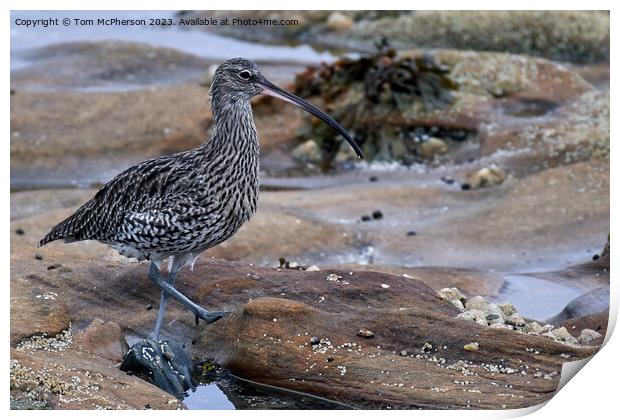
<point x="234" y="132"/>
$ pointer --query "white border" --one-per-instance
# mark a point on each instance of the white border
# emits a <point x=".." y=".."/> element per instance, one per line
<point x="590" y="395"/>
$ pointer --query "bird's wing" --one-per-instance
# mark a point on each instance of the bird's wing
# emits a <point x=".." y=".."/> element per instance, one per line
<point x="149" y="185"/>
<point x="179" y="224"/>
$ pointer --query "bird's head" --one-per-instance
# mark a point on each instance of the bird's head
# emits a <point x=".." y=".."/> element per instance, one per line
<point x="240" y="79"/>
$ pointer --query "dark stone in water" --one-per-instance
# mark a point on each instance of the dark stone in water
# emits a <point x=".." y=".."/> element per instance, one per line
<point x="314" y="341"/>
<point x="164" y="363"/>
<point x="19" y="231"/>
<point x="465" y="186"/>
<point x="366" y="218"/>
<point x="595" y="257"/>
<point x="412" y="233"/>
<point x="447" y="179"/>
<point x="373" y="179"/>
<point x="377" y="215"/>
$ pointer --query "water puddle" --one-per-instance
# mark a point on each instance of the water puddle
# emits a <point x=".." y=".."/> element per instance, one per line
<point x="233" y="393"/>
<point x="536" y="298"/>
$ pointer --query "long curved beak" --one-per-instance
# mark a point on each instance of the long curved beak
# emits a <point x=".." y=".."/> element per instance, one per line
<point x="272" y="90"/>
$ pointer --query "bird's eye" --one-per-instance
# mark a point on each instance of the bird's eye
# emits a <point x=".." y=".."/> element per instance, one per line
<point x="245" y="74"/>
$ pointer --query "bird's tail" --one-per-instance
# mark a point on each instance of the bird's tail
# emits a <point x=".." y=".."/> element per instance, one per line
<point x="67" y="230"/>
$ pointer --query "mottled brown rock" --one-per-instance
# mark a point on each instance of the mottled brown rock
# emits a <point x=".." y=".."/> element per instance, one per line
<point x="105" y="339"/>
<point x="37" y="309"/>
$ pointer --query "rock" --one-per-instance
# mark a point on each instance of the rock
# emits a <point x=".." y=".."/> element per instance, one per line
<point x="546" y="328"/>
<point x="432" y="147"/>
<point x="508" y="309"/>
<point x="42" y="310"/>
<point x="308" y="151"/>
<point x="104" y="339"/>
<point x="377" y="215"/>
<point x="471" y="347"/>
<point x="477" y="302"/>
<point x="365" y="333"/>
<point x="315" y="341"/>
<point x="313" y="268"/>
<point x="587" y="336"/>
<point x="487" y="177"/>
<point x="345" y="154"/>
<point x="164" y="363"/>
<point x="458" y="304"/>
<point x="451" y="294"/>
<point x="515" y="319"/>
<point x="404" y="353"/>
<point x="337" y="21"/>
<point x="493" y="314"/>
<point x="532" y="328"/>
<point x="475" y="315"/>
<point x="501" y="326"/>
<point x="589" y="303"/>
<point x="561" y="335"/>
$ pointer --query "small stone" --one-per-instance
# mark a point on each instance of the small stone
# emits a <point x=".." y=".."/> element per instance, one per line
<point x="293" y="264"/>
<point x="427" y="348"/>
<point x="587" y="336"/>
<point x="516" y="320"/>
<point x="168" y="355"/>
<point x="465" y="186"/>
<point x="308" y="151"/>
<point x="412" y="233"/>
<point x="377" y="215"/>
<point x="595" y="257"/>
<point x="403" y="353"/>
<point x="458" y="304"/>
<point x="447" y="179"/>
<point x="562" y="335"/>
<point x="451" y="293"/>
<point x="373" y="179"/>
<point x="19" y="231"/>
<point x="477" y="302"/>
<point x="433" y="146"/>
<point x="313" y="268"/>
<point x="507" y="308"/>
<point x="337" y="21"/>
<point x="475" y="315"/>
<point x="546" y="328"/>
<point x="38" y="256"/>
<point x="314" y="341"/>
<point x="487" y="177"/>
<point x="366" y="218"/>
<point x="471" y="347"/>
<point x="330" y="359"/>
<point x="365" y="333"/>
<point x="149" y="306"/>
<point x="532" y="328"/>
<point x="501" y="326"/>
<point x="493" y="314"/>
<point x="54" y="266"/>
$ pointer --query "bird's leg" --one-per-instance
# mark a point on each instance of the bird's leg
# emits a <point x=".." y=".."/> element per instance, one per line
<point x="172" y="276"/>
<point x="168" y="289"/>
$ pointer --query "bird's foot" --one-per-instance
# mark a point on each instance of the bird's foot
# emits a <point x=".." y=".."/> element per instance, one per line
<point x="209" y="316"/>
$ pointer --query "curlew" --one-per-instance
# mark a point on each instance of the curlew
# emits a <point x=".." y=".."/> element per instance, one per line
<point x="175" y="207"/>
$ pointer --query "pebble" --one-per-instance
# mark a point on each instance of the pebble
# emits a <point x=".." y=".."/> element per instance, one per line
<point x="366" y="218"/>
<point x="313" y="268"/>
<point x="447" y="179"/>
<point x="19" y="231"/>
<point x="365" y="333"/>
<point x="475" y="315"/>
<point x="168" y="355"/>
<point x="471" y="347"/>
<point x="465" y="186"/>
<point x="412" y="233"/>
<point x="377" y="215"/>
<point x="373" y="179"/>
<point x="403" y="353"/>
<point x="433" y="146"/>
<point x="308" y="151"/>
<point x="595" y="257"/>
<point x="487" y="177"/>
<point x="38" y="256"/>
<point x="338" y="22"/>
<point x="314" y="341"/>
<point x="149" y="306"/>
<point x="587" y="336"/>
<point x="54" y="266"/>
<point x="477" y="302"/>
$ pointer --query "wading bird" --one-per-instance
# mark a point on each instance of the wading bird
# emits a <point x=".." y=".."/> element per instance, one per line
<point x="175" y="207"/>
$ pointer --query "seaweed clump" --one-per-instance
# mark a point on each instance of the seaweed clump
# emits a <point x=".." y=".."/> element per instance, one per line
<point x="368" y="94"/>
